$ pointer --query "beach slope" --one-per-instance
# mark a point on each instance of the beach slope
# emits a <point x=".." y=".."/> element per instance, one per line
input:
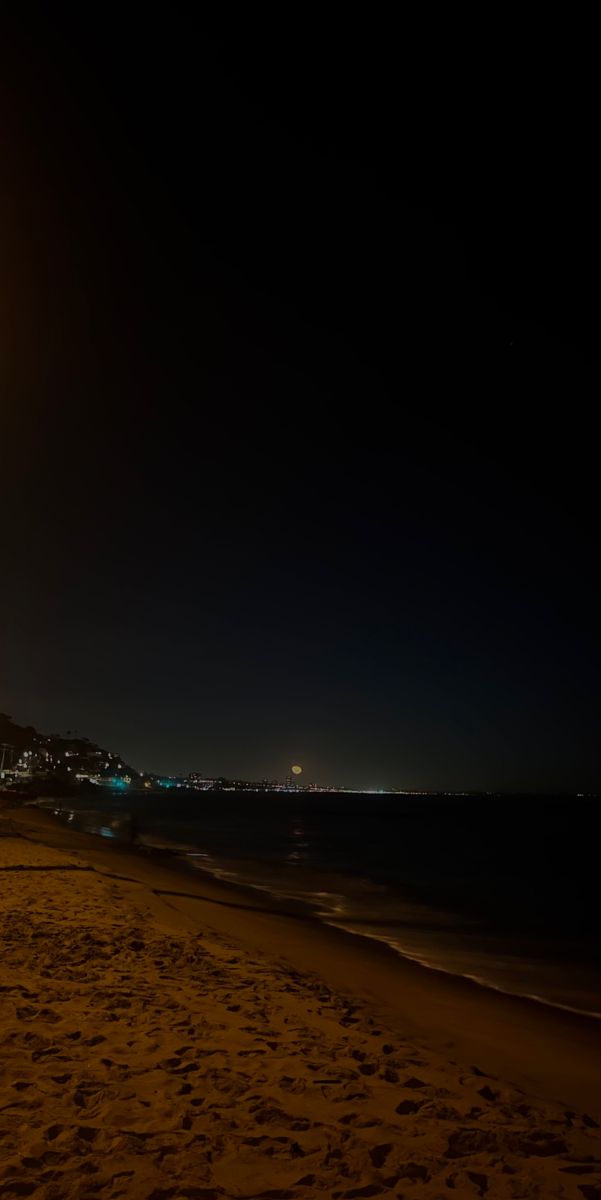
<point x="146" y="1051"/>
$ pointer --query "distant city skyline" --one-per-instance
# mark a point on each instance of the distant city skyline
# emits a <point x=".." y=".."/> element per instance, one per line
<point x="39" y="755"/>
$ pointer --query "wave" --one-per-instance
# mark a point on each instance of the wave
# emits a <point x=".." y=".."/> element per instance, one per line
<point x="331" y="908"/>
<point x="477" y="979"/>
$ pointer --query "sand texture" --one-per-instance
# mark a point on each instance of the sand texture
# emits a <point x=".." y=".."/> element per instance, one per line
<point x="143" y="1057"/>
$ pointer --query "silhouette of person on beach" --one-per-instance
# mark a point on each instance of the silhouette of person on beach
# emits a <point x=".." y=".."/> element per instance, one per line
<point x="133" y="831"/>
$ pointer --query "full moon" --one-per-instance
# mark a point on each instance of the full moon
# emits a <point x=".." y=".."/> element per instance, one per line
<point x="296" y="770"/>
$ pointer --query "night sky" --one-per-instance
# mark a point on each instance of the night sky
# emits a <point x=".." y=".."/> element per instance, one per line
<point x="299" y="385"/>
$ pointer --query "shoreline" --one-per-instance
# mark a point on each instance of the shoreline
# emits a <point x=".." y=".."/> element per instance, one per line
<point x="296" y="905"/>
<point x="549" y="1050"/>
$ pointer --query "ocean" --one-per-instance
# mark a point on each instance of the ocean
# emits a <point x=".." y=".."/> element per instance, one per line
<point x="500" y="889"/>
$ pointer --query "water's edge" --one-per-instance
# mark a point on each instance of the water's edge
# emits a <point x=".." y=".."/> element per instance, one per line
<point x="185" y="856"/>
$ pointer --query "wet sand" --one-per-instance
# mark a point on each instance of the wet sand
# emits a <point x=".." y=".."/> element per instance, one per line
<point x="163" y="1034"/>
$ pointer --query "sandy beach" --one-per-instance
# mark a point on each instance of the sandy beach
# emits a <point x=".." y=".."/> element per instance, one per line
<point x="163" y="1035"/>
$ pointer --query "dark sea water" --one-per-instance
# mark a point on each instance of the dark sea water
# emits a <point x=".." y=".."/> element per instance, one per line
<point x="503" y="890"/>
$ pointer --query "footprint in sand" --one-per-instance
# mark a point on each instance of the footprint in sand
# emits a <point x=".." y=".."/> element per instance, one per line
<point x="390" y="1075"/>
<point x="408" y="1107"/>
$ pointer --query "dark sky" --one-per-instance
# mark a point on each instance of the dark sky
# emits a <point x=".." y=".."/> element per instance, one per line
<point x="299" y="379"/>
